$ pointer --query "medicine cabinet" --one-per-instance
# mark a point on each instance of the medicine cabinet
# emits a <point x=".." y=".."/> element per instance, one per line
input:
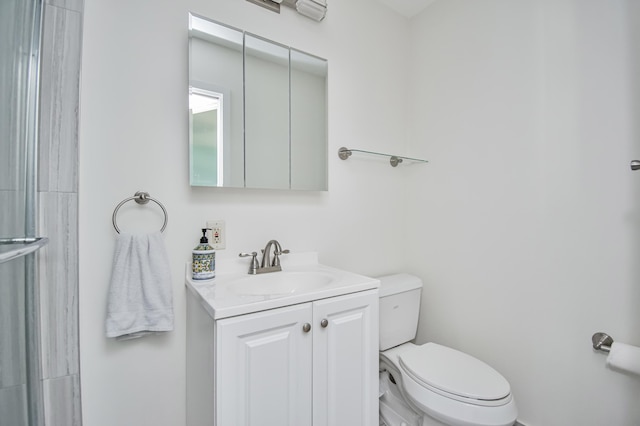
<point x="257" y="111"/>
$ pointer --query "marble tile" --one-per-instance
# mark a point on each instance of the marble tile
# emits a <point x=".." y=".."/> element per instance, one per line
<point x="10" y="47"/>
<point x="58" y="277"/>
<point x="59" y="100"/>
<point x="13" y="406"/>
<point x="75" y="5"/>
<point x="12" y="214"/>
<point x="9" y="73"/>
<point x="62" y="401"/>
<point x="58" y="211"/>
<point x="9" y="161"/>
<point x="12" y="324"/>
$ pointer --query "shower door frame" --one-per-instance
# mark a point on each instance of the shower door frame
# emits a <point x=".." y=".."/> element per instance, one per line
<point x="26" y="245"/>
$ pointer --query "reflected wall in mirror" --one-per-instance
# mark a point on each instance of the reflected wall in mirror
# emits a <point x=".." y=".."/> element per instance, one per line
<point x="308" y="121"/>
<point x="257" y="111"/>
<point x="215" y="72"/>
<point x="266" y="84"/>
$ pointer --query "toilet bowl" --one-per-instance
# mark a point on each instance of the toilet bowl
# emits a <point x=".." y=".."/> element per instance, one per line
<point x="449" y="386"/>
<point x="431" y="384"/>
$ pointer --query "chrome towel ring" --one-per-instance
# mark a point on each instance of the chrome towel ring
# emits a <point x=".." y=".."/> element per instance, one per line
<point x="140" y="197"/>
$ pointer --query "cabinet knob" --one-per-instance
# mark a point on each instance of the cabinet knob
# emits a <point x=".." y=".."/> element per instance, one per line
<point x="324" y="323"/>
<point x="306" y="327"/>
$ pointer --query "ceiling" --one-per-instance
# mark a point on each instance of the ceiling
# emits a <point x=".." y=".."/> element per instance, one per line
<point x="408" y="8"/>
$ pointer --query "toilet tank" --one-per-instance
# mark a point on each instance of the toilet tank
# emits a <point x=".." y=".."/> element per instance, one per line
<point x="399" y="309"/>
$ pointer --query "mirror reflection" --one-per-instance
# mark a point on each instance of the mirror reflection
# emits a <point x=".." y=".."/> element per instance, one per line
<point x="215" y="73"/>
<point x="205" y="111"/>
<point x="308" y="121"/>
<point x="257" y="111"/>
<point x="266" y="113"/>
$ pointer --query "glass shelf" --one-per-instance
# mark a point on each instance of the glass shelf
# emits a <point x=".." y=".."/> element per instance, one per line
<point x="394" y="160"/>
<point x="12" y="248"/>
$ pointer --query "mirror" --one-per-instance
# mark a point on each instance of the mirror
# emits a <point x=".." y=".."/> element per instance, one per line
<point x="309" y="157"/>
<point x="216" y="141"/>
<point x="257" y="111"/>
<point x="266" y="84"/>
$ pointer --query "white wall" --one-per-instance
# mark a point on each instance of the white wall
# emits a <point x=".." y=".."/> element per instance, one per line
<point x="524" y="225"/>
<point x="527" y="219"/>
<point x="134" y="136"/>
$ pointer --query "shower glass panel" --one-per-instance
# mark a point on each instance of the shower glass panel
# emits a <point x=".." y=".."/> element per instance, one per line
<point x="20" y="376"/>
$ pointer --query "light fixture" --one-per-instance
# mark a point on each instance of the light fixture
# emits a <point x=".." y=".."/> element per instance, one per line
<point x="273" y="6"/>
<point x="314" y="9"/>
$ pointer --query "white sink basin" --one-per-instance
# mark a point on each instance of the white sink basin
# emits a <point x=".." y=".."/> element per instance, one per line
<point x="281" y="283"/>
<point x="234" y="292"/>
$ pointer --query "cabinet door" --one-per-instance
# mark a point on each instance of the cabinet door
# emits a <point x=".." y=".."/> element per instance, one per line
<point x="345" y="356"/>
<point x="263" y="365"/>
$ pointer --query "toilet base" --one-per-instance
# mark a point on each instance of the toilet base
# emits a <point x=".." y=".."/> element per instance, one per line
<point x="394" y="411"/>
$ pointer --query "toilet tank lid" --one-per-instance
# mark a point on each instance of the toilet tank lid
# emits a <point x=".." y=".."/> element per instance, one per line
<point x="398" y="283"/>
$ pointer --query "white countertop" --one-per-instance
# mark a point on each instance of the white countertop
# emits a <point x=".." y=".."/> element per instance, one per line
<point x="221" y="301"/>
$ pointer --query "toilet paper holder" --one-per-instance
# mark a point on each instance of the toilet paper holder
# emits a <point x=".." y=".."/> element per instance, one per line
<point x="602" y="342"/>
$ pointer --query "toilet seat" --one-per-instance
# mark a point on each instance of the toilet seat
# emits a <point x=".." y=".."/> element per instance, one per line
<point x="455" y="374"/>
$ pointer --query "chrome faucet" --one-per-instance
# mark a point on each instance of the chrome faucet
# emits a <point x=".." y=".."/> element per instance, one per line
<point x="266" y="256"/>
<point x="267" y="264"/>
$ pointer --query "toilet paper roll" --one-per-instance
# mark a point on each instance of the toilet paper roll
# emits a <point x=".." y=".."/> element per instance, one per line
<point x="624" y="358"/>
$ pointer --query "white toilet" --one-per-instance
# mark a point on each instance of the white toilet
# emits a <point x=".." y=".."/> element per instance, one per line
<point x="431" y="384"/>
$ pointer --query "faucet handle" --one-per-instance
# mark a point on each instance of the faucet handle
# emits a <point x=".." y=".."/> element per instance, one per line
<point x="254" y="261"/>
<point x="276" y="259"/>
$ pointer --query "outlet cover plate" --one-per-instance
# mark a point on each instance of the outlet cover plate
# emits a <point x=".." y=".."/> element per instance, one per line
<point x="217" y="234"/>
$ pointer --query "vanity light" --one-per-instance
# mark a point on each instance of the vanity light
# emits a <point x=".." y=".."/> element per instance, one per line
<point x="314" y="9"/>
<point x="267" y="4"/>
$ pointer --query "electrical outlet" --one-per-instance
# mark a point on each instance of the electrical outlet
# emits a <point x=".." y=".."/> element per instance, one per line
<point x="217" y="234"/>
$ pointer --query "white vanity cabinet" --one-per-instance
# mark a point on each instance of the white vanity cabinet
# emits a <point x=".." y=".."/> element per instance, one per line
<point x="308" y="364"/>
<point x="345" y="360"/>
<point x="264" y="368"/>
<point x="312" y="364"/>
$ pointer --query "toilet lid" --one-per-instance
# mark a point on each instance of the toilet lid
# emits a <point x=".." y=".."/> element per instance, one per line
<point x="454" y="372"/>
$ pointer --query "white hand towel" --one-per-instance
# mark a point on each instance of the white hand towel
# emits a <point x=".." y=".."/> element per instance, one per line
<point x="140" y="299"/>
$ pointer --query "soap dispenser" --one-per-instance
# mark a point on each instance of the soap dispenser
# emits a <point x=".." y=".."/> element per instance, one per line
<point x="204" y="259"/>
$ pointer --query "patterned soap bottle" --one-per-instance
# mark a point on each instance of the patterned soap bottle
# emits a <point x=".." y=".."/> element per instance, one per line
<point x="204" y="259"/>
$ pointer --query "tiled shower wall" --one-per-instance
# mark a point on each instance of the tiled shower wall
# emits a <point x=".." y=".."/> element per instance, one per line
<point x="58" y="210"/>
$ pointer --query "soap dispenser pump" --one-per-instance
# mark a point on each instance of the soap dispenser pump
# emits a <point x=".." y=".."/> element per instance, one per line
<point x="204" y="259"/>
